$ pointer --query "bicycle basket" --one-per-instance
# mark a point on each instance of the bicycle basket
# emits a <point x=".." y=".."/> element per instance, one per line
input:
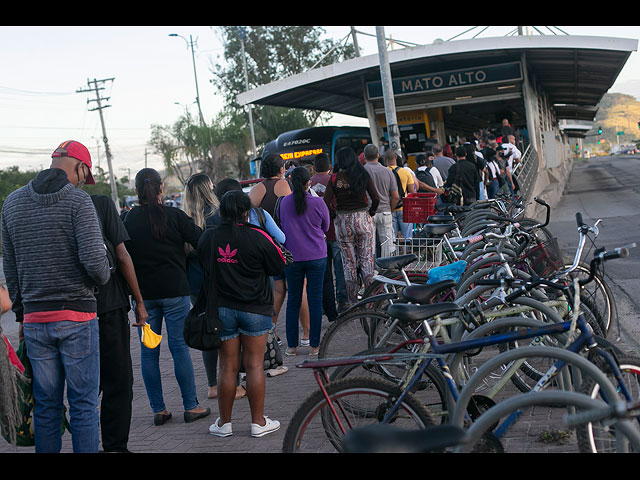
<point x="545" y="258"/>
<point x="428" y="251"/>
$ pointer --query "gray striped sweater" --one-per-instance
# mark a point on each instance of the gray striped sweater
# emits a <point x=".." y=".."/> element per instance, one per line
<point x="52" y="247"/>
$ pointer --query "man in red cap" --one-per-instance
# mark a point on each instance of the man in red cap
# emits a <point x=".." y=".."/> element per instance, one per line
<point x="54" y="257"/>
<point x="72" y="155"/>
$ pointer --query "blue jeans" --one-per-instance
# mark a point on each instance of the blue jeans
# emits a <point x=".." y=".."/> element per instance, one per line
<point x="313" y="271"/>
<point x="333" y="253"/>
<point x="62" y="352"/>
<point x="174" y="311"/>
<point x="481" y="191"/>
<point x="406" y="229"/>
<point x="493" y="188"/>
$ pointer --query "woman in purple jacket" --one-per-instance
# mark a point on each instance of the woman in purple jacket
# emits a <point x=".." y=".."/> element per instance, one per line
<point x="304" y="219"/>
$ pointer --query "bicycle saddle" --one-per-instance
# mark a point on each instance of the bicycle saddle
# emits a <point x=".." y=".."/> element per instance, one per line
<point x="438" y="229"/>
<point x="406" y="312"/>
<point x="422" y="294"/>
<point x="396" y="262"/>
<point x="440" y="218"/>
<point x="384" y="438"/>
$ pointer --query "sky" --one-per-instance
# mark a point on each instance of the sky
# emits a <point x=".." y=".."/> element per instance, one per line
<point x="44" y="68"/>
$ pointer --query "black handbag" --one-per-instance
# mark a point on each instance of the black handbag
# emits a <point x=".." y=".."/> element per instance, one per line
<point x="202" y="326"/>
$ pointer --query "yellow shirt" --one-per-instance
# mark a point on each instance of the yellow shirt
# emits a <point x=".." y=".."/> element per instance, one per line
<point x="406" y="179"/>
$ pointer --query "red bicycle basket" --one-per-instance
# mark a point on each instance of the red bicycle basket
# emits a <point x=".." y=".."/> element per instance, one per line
<point x="417" y="207"/>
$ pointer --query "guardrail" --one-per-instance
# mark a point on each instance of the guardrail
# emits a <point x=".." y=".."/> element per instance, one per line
<point x="526" y="172"/>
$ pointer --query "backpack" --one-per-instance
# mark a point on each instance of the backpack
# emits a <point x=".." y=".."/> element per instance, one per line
<point x="401" y="191"/>
<point x="425" y="177"/>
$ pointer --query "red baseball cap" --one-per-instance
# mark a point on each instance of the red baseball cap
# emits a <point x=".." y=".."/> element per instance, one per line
<point x="76" y="150"/>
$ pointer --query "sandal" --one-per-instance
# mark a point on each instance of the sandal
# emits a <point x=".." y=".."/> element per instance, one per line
<point x="241" y="392"/>
<point x="314" y="351"/>
<point x="290" y="352"/>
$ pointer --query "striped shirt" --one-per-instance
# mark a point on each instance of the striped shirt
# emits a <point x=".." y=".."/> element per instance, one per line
<point x="52" y="249"/>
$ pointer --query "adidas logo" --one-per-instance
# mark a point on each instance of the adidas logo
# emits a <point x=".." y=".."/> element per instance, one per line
<point x="227" y="255"/>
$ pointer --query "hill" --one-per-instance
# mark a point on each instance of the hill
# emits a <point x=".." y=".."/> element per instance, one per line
<point x="618" y="112"/>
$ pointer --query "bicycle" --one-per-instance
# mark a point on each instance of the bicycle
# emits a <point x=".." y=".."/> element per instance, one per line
<point x="384" y="438"/>
<point x="420" y="361"/>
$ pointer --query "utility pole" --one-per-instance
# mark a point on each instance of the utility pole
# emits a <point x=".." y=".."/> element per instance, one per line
<point x="98" y="100"/>
<point x="246" y="85"/>
<point x="355" y="41"/>
<point x="387" y="91"/>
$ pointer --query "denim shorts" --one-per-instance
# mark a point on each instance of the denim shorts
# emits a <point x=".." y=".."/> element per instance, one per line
<point x="236" y="322"/>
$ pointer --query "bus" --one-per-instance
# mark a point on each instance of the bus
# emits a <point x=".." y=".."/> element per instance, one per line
<point x="303" y="145"/>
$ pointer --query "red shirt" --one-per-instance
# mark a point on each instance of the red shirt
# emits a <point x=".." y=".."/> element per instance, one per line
<point x="58" y="316"/>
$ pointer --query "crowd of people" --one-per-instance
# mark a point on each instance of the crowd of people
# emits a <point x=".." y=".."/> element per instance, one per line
<point x="73" y="305"/>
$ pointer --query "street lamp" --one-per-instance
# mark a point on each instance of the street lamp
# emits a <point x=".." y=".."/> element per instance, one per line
<point x="195" y="76"/>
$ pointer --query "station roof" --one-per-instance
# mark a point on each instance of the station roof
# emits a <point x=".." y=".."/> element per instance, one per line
<point x="574" y="71"/>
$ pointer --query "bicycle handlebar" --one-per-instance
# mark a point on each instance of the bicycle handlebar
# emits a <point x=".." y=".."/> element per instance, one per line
<point x="526" y="286"/>
<point x="616" y="411"/>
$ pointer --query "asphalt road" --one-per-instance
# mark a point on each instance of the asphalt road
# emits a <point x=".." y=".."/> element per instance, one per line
<point x="608" y="188"/>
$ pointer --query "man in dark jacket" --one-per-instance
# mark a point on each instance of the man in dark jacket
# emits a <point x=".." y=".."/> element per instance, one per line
<point x="116" y="371"/>
<point x="465" y="174"/>
<point x="54" y="257"/>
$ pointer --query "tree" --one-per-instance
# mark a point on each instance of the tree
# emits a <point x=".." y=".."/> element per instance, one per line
<point x="223" y="148"/>
<point x="273" y="52"/>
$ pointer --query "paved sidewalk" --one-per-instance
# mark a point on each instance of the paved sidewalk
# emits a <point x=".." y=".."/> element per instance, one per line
<point x="283" y="394"/>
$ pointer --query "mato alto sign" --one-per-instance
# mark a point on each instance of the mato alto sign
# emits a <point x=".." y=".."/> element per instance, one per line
<point x="467" y="77"/>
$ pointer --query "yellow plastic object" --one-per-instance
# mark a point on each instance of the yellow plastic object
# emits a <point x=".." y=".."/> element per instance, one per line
<point x="150" y="339"/>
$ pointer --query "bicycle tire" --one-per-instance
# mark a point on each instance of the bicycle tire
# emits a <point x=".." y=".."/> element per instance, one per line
<point x="358" y="331"/>
<point x="557" y="400"/>
<point x="595" y="438"/>
<point x="431" y="390"/>
<point x="599" y="292"/>
<point x="314" y="428"/>
<point x="460" y="363"/>
<point x="573" y="360"/>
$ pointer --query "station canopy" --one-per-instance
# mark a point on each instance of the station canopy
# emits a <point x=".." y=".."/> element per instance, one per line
<point x="574" y="72"/>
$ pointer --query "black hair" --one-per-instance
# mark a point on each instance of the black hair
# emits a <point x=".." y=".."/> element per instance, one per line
<point x="421" y="160"/>
<point x="461" y="152"/>
<point x="225" y="185"/>
<point x="322" y="163"/>
<point x="234" y="206"/>
<point x="346" y="160"/>
<point x="148" y="184"/>
<point x="271" y="165"/>
<point x="299" y="178"/>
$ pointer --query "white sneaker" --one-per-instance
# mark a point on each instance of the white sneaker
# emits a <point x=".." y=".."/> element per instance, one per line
<point x="220" y="431"/>
<point x="269" y="427"/>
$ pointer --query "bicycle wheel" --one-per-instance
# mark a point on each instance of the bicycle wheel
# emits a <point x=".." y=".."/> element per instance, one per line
<point x="522" y="373"/>
<point x="537" y="422"/>
<point x="573" y="364"/>
<point x="319" y="427"/>
<point x="358" y="331"/>
<point x="431" y="389"/>
<point x="596" y="437"/>
<point x="597" y="294"/>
